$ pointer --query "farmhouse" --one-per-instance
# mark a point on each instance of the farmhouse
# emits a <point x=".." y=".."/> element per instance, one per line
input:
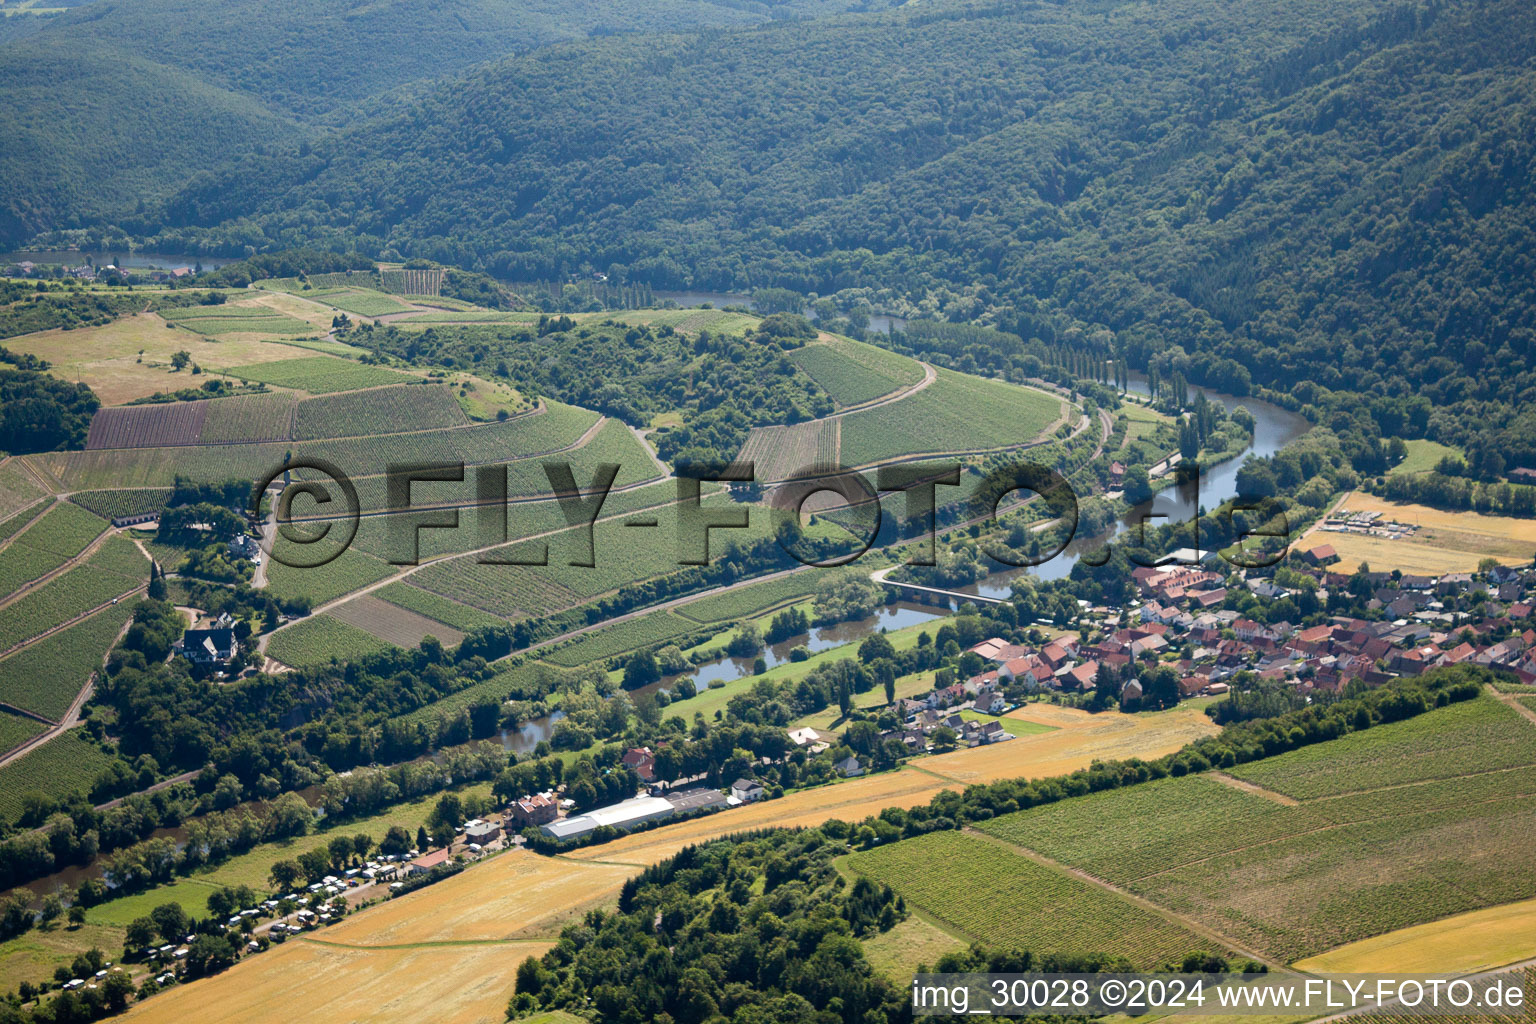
<point x="481" y="832"/>
<point x="208" y="646"/>
<point x="426" y="862"/>
<point x="746" y="790"/>
<point x="539" y="809"/>
<point x="642" y="761"/>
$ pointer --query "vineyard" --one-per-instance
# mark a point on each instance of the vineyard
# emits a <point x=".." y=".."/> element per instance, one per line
<point x="632" y="634"/>
<point x="60" y="535"/>
<point x="248" y="418"/>
<point x="215" y="320"/>
<point x="320" y="374"/>
<point x="1293" y="881"/>
<point x="65" y="764"/>
<point x="159" y="467"/>
<point x="377" y="411"/>
<point x="17" y="490"/>
<point x="457" y="616"/>
<point x="750" y="600"/>
<point x="365" y="303"/>
<point x="130" y="502"/>
<point x="66" y="597"/>
<point x="45" y="677"/>
<point x="956" y="413"/>
<point x="780" y="452"/>
<point x="412" y="282"/>
<point x="393" y="624"/>
<point x="147" y="426"/>
<point x="1005" y="900"/>
<point x="1478" y="735"/>
<point x="519" y="679"/>
<point x="315" y="641"/>
<point x="686" y="321"/>
<point x="350" y="571"/>
<point x="853" y="373"/>
<point x="16" y="730"/>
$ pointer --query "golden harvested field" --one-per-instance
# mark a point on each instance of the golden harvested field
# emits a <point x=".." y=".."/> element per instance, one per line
<point x="519" y="895"/>
<point x="107" y="357"/>
<point x="1079" y="740"/>
<point x="513" y="893"/>
<point x="1475" y="941"/>
<point x="1445" y="541"/>
<point x="320" y="984"/>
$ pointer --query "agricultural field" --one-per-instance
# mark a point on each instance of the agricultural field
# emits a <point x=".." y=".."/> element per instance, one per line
<point x="127" y="502"/>
<point x="423" y="281"/>
<point x="754" y="599"/>
<point x="1293" y="880"/>
<point x="1444" y="542"/>
<point x="18" y="489"/>
<point x="460" y="617"/>
<point x="147" y="426"/>
<point x="318" y="639"/>
<point x="130" y="357"/>
<point x="484" y="400"/>
<point x="14" y="525"/>
<point x="854" y="373"/>
<point x="363" y="302"/>
<point x="650" y="630"/>
<point x="778" y="453"/>
<point x="45" y="677"/>
<point x="245" y="418"/>
<point x="350" y="571"/>
<point x="1012" y="726"/>
<point x="320" y="374"/>
<point x="65" y="597"/>
<point x="496" y="688"/>
<point x="235" y="319"/>
<point x="1462" y="944"/>
<point x="1474" y="736"/>
<point x="898" y="952"/>
<point x="997" y="896"/>
<point x="61" y="534"/>
<point x="63" y="765"/>
<point x="685" y="321"/>
<point x="464" y="316"/>
<point x="393" y="624"/>
<point x="957" y="413"/>
<point x="377" y="411"/>
<point x="16" y="730"/>
<point x="158" y="467"/>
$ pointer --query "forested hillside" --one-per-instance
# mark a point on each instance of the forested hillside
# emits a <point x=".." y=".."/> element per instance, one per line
<point x="1332" y="192"/>
<point x="112" y="102"/>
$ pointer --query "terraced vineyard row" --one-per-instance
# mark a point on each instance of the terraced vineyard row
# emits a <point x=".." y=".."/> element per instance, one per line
<point x="378" y="411"/>
<point x="65" y="764"/>
<point x="65" y="597"/>
<point x="853" y="373"/>
<point x="1477" y="735"/>
<point x="621" y="638"/>
<point x="320" y="374"/>
<point x="60" y="535"/>
<point x="778" y="453"/>
<point x="45" y="677"/>
<point x="128" y="502"/>
<point x="436" y="607"/>
<point x="147" y="426"/>
<point x="1006" y="901"/>
<point x="315" y="641"/>
<point x="956" y="413"/>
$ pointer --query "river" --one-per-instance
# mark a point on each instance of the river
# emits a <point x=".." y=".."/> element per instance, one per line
<point x="126" y="260"/>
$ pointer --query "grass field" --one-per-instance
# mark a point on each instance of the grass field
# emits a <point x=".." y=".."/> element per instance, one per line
<point x="61" y="766"/>
<point x="1423" y="456"/>
<point x="1462" y="944"/>
<point x="854" y="373"/>
<point x="236" y="318"/>
<point x="994" y="895"/>
<point x="44" y="678"/>
<point x="1445" y="541"/>
<point x="957" y="413"/>
<point x="316" y="640"/>
<point x="687" y="321"/>
<point x="1013" y="726"/>
<point x="108" y="358"/>
<point x="320" y="374"/>
<point x="914" y="943"/>
<point x="393" y="624"/>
